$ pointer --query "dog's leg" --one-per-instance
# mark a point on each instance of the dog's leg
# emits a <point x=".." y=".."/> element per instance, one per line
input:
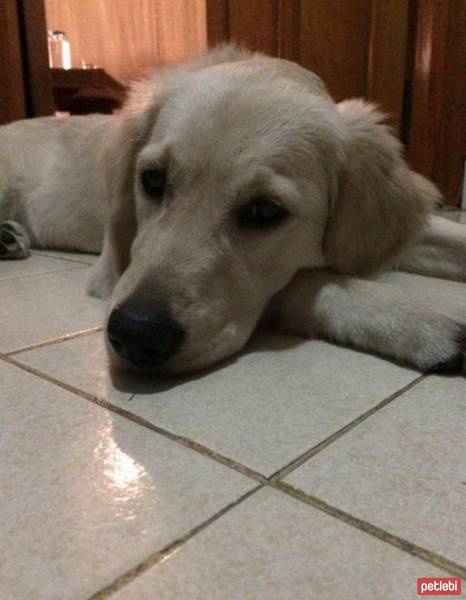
<point x="102" y="277"/>
<point x="440" y="253"/>
<point x="374" y="316"/>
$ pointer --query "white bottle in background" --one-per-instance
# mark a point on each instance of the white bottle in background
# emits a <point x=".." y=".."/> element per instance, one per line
<point x="59" y="50"/>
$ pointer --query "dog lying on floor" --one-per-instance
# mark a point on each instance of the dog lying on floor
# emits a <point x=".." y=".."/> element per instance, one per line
<point x="233" y="189"/>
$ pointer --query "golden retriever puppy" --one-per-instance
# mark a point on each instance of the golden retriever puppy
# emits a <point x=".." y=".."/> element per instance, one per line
<point x="233" y="189"/>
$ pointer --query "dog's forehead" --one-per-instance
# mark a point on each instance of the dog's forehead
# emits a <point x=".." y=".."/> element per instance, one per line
<point x="239" y="118"/>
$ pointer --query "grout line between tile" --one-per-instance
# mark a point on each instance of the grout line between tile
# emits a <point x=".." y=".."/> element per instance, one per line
<point x="384" y="536"/>
<point x="297" y="462"/>
<point x="27" y="275"/>
<point x="166" y="552"/>
<point x="379" y="533"/>
<point x="184" y="441"/>
<point x="63" y="338"/>
<point x="73" y="260"/>
<point x="426" y="555"/>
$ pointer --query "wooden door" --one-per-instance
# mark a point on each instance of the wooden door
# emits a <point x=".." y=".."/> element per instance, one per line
<point x="25" y="84"/>
<point x="358" y="47"/>
<point x="409" y="56"/>
<point x="33" y="35"/>
<point x="437" y="113"/>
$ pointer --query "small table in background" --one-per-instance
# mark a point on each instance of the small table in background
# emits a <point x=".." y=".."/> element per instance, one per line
<point x="84" y="91"/>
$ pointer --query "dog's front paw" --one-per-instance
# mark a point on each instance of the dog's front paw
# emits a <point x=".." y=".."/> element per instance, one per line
<point x="451" y="366"/>
<point x="455" y="363"/>
<point x="14" y="241"/>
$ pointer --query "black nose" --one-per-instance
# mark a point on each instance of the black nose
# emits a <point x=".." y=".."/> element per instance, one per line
<point x="142" y="335"/>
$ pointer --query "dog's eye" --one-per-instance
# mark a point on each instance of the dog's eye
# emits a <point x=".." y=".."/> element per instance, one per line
<point x="154" y="182"/>
<point x="261" y="212"/>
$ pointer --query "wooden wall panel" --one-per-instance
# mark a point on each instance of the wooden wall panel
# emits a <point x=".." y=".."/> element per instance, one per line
<point x="288" y="29"/>
<point x="38" y="81"/>
<point x="217" y="21"/>
<point x="450" y="156"/>
<point x="128" y="38"/>
<point x="437" y="132"/>
<point x="12" y="100"/>
<point x="334" y="43"/>
<point x="387" y="64"/>
<point x="358" y="47"/>
<point x="427" y="82"/>
<point x="254" y="24"/>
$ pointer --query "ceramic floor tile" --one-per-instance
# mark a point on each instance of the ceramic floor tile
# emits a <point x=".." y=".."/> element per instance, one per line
<point x="273" y="547"/>
<point x="274" y="402"/>
<point x="79" y="257"/>
<point x="35" y="309"/>
<point x="263" y="410"/>
<point x="404" y="469"/>
<point x="81" y="362"/>
<point x="34" y="265"/>
<point x="86" y="495"/>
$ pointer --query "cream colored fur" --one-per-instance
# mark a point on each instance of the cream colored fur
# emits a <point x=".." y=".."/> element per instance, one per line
<point x="230" y="126"/>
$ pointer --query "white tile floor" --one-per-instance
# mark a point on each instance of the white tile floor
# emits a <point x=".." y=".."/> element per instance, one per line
<point x="299" y="470"/>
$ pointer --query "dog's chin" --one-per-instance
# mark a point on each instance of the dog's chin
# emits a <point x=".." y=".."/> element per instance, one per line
<point x="186" y="362"/>
<point x="171" y="368"/>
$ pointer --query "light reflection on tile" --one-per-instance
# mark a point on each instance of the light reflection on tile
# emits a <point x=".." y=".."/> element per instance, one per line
<point x="122" y="472"/>
<point x="266" y="407"/>
<point x="280" y="398"/>
<point x="86" y="494"/>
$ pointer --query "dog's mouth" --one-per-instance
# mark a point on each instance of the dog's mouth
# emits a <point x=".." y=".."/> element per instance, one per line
<point x="141" y="358"/>
<point x="158" y="358"/>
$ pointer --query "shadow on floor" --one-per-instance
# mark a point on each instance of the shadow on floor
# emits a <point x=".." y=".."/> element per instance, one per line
<point x="262" y="340"/>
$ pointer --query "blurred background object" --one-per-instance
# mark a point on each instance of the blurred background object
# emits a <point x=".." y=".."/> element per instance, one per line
<point x="409" y="56"/>
<point x="128" y="38"/>
<point x="59" y="50"/>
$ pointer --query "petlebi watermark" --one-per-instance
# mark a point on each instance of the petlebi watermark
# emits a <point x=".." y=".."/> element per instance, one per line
<point x="439" y="586"/>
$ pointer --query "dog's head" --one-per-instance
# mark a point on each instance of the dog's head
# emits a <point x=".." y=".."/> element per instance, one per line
<point x="224" y="181"/>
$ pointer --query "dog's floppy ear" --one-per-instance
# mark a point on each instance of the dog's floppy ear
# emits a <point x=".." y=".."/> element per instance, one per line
<point x="128" y="135"/>
<point x="381" y="206"/>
